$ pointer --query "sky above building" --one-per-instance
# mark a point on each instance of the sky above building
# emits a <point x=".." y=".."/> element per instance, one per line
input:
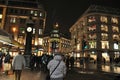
<point x="67" y="12"/>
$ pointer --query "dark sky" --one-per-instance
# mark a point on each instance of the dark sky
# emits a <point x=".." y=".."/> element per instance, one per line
<point x="66" y="12"/>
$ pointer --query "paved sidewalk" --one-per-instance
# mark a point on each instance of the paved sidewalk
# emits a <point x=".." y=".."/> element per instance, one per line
<point x="75" y="74"/>
<point x="26" y="75"/>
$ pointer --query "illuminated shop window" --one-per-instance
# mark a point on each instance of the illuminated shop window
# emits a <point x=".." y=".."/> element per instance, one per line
<point x="91" y="19"/>
<point x="92" y="28"/>
<point x="104" y="36"/>
<point x="114" y="20"/>
<point x="103" y="19"/>
<point x="92" y="44"/>
<point x="13" y="20"/>
<point x="115" y="29"/>
<point x="104" y="28"/>
<point x="92" y="36"/>
<point x="105" y="44"/>
<point x="115" y="37"/>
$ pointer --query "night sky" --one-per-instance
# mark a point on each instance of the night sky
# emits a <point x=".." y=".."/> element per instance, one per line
<point x="67" y="12"/>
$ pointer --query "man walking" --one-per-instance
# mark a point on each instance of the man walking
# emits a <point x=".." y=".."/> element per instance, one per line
<point x="18" y="64"/>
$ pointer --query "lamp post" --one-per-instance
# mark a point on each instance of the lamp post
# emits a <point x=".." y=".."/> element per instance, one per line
<point x="28" y="44"/>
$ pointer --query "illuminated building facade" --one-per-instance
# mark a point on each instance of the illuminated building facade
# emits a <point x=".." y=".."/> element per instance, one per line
<point x="56" y="42"/>
<point x="97" y="33"/>
<point x="13" y="16"/>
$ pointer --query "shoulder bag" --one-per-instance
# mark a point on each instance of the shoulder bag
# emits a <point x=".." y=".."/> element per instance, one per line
<point x="48" y="76"/>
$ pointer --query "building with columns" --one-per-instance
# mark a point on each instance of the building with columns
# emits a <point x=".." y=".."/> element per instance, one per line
<point x="97" y="33"/>
<point x="13" y="16"/>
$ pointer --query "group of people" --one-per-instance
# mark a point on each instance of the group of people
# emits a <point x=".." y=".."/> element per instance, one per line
<point x="56" y="65"/>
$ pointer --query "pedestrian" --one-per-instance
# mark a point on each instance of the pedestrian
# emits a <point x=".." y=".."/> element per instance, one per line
<point x="18" y="64"/>
<point x="57" y="68"/>
<point x="7" y="63"/>
<point x="72" y="60"/>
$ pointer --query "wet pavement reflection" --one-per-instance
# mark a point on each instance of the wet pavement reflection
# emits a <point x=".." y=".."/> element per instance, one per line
<point x="104" y="67"/>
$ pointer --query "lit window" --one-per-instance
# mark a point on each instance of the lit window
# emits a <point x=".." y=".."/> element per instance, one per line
<point x="92" y="44"/>
<point x="13" y="20"/>
<point x="92" y="36"/>
<point x="103" y="19"/>
<point x="35" y="14"/>
<point x="104" y="36"/>
<point x="33" y="30"/>
<point x="104" y="28"/>
<point x="92" y="28"/>
<point x="0" y="16"/>
<point x="31" y="12"/>
<point x="91" y="19"/>
<point x="41" y="14"/>
<point x="105" y="44"/>
<point x="40" y="41"/>
<point x="115" y="37"/>
<point x="114" y="20"/>
<point x="40" y="32"/>
<point x="116" y="46"/>
<point x="115" y="29"/>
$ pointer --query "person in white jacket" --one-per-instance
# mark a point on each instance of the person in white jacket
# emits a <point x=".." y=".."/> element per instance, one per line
<point x="60" y="71"/>
<point x="18" y="64"/>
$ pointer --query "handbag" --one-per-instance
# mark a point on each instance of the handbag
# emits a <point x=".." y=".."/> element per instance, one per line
<point x="48" y="75"/>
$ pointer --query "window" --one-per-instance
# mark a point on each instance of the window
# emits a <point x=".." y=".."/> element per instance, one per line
<point x="104" y="28"/>
<point x="35" y="13"/>
<point x="92" y="28"/>
<point x="114" y="20"/>
<point x="92" y="44"/>
<point x="22" y="30"/>
<point x="40" y="32"/>
<point x="91" y="19"/>
<point x="104" y="36"/>
<point x="92" y="36"/>
<point x="115" y="37"/>
<point x="105" y="44"/>
<point x="103" y="19"/>
<point x="115" y="29"/>
<point x="13" y="20"/>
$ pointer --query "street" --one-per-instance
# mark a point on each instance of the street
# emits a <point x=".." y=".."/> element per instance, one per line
<point x="88" y="73"/>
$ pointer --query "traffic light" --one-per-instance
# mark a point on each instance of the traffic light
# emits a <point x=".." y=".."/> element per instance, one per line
<point x="84" y="45"/>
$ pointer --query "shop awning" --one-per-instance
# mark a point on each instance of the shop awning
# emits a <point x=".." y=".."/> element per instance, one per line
<point x="17" y="44"/>
<point x="5" y="37"/>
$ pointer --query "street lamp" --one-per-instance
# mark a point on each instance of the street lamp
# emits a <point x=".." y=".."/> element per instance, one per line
<point x="28" y="44"/>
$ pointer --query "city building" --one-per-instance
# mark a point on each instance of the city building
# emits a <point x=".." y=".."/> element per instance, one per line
<point x="97" y="33"/>
<point x="13" y="17"/>
<point x="56" y="42"/>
